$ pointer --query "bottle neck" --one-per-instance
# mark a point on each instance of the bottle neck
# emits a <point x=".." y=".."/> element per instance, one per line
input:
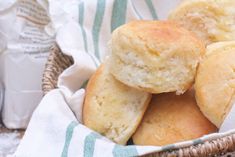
<point x="1" y="95"/>
<point x="3" y="42"/>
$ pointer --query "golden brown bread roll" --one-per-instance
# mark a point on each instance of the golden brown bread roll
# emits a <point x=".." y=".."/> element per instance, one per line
<point x="215" y="82"/>
<point x="112" y="108"/>
<point x="171" y="118"/>
<point x="210" y="20"/>
<point x="155" y="56"/>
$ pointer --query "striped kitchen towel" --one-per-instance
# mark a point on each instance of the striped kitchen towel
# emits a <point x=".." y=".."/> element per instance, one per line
<point x="83" y="29"/>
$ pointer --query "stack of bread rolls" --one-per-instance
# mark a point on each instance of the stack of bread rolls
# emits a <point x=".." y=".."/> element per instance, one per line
<point x="214" y="23"/>
<point x="161" y="84"/>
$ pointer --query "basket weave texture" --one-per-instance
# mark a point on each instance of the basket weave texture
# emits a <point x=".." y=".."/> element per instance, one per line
<point x="58" y="62"/>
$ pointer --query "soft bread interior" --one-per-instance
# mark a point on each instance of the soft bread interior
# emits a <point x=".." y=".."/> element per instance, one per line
<point x="112" y="108"/>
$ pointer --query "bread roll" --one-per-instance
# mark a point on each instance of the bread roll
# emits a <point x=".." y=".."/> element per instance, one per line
<point x="155" y="56"/>
<point x="171" y="118"/>
<point x="210" y="20"/>
<point x="219" y="46"/>
<point x="112" y="108"/>
<point x="215" y="82"/>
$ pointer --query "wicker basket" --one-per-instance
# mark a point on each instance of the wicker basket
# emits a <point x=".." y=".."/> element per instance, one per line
<point x="58" y="62"/>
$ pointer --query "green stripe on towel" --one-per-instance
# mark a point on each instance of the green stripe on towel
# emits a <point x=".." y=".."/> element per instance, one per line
<point x="100" y="8"/>
<point x="84" y="84"/>
<point x="168" y="147"/>
<point x="89" y="144"/>
<point x="151" y="8"/>
<point x="80" y="21"/>
<point x="136" y="11"/>
<point x="197" y="141"/>
<point x="118" y="13"/>
<point x="68" y="137"/>
<point x="94" y="60"/>
<point x="124" y="151"/>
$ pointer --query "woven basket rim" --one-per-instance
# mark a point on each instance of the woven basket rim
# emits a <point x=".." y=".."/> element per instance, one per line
<point x="58" y="62"/>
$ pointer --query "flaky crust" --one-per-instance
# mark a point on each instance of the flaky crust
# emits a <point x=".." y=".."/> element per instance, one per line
<point x="155" y="56"/>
